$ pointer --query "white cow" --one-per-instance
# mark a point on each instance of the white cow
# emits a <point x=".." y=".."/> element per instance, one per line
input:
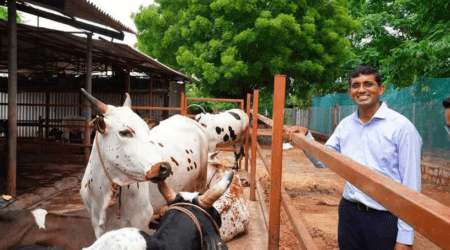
<point x="226" y="128"/>
<point x="126" y="154"/>
<point x="232" y="205"/>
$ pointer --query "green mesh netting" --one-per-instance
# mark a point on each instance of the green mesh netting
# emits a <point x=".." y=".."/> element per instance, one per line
<point x="420" y="103"/>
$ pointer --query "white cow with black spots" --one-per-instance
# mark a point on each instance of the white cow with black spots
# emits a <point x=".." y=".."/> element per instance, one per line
<point x="126" y="154"/>
<point x="226" y="128"/>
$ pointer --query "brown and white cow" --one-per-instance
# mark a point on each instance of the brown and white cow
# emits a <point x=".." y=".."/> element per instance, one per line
<point x="226" y="128"/>
<point x="126" y="154"/>
<point x="232" y="205"/>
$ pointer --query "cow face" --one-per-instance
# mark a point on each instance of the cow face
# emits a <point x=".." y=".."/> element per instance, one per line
<point x="124" y="145"/>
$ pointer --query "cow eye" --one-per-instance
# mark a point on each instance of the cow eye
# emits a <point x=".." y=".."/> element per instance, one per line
<point x="126" y="133"/>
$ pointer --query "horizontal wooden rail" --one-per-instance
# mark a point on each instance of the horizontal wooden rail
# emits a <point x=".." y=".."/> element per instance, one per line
<point x="85" y="105"/>
<point x="49" y="105"/>
<point x="302" y="234"/>
<point x="155" y="108"/>
<point x="427" y="216"/>
<point x="214" y="99"/>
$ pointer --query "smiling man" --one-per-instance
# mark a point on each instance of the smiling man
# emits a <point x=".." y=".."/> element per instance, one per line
<point x="386" y="142"/>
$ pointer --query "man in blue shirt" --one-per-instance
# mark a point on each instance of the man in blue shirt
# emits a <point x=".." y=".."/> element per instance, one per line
<point x="446" y="104"/>
<point x="386" y="142"/>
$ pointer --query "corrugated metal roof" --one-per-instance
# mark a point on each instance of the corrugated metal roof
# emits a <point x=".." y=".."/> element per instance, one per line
<point x="82" y="9"/>
<point x="45" y="50"/>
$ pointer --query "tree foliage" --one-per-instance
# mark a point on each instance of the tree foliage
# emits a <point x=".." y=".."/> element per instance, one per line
<point x="404" y="39"/>
<point x="235" y="46"/>
<point x="4" y="15"/>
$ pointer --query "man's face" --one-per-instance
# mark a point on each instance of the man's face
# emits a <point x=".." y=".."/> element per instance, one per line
<point x="364" y="90"/>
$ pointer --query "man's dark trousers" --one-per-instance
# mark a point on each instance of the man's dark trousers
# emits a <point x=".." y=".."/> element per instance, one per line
<point x="361" y="227"/>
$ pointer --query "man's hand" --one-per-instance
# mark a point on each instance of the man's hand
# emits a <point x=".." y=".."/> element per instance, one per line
<point x="400" y="246"/>
<point x="297" y="129"/>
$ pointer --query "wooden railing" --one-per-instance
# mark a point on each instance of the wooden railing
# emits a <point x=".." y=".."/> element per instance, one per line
<point x="426" y="215"/>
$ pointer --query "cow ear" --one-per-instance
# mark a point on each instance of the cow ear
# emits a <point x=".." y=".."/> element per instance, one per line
<point x="214" y="193"/>
<point x="166" y="191"/>
<point x="127" y="102"/>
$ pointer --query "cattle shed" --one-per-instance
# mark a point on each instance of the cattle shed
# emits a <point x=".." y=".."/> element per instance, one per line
<point x="42" y="71"/>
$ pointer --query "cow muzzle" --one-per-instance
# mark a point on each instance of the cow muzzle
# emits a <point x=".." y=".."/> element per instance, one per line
<point x="159" y="172"/>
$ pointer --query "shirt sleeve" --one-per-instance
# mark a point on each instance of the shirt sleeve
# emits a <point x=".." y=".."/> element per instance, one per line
<point x="409" y="152"/>
<point x="314" y="161"/>
<point x="334" y="141"/>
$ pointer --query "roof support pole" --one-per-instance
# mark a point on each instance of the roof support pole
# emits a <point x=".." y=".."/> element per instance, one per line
<point x="88" y="112"/>
<point x="277" y="161"/>
<point x="12" y="98"/>
<point x="128" y="82"/>
<point x="150" y="96"/>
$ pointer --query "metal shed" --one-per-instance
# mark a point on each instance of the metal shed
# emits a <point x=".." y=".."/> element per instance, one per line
<point x="44" y="70"/>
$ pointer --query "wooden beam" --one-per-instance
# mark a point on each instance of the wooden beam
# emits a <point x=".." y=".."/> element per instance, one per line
<point x="12" y="99"/>
<point x="254" y="140"/>
<point x="277" y="161"/>
<point x="87" y="137"/>
<point x="72" y="22"/>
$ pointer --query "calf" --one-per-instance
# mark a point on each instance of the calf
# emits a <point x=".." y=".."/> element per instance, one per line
<point x="37" y="227"/>
<point x="232" y="205"/>
<point x="178" y="229"/>
<point x="55" y="133"/>
<point x="226" y="128"/>
<point x="74" y="127"/>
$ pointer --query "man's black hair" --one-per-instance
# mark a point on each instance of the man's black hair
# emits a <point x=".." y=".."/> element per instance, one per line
<point x="365" y="70"/>
<point x="446" y="103"/>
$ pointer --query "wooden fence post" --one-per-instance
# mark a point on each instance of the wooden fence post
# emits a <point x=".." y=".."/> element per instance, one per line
<point x="254" y="139"/>
<point x="277" y="161"/>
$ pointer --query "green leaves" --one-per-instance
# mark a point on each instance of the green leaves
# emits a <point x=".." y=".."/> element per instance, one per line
<point x="235" y="46"/>
<point x="404" y="39"/>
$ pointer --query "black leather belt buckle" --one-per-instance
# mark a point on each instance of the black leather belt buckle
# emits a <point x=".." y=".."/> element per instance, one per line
<point x="361" y="206"/>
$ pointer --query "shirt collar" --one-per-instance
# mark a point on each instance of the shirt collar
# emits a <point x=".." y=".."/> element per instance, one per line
<point x="380" y="114"/>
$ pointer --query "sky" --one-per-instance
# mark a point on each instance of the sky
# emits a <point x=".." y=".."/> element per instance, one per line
<point x="119" y="10"/>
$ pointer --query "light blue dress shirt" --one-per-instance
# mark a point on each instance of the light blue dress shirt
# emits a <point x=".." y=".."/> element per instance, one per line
<point x="388" y="144"/>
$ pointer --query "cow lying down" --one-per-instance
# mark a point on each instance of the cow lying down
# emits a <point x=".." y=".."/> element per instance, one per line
<point x="232" y="205"/>
<point x="226" y="128"/>
<point x="38" y="227"/>
<point x="177" y="229"/>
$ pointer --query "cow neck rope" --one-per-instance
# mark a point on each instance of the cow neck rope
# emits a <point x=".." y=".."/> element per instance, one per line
<point x="114" y="187"/>
<point x="177" y="206"/>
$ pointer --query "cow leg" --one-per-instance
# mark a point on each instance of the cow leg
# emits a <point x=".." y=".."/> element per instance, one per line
<point x="237" y="157"/>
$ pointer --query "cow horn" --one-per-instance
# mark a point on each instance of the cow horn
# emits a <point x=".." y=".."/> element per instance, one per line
<point x="214" y="193"/>
<point x="100" y="106"/>
<point x="127" y="102"/>
<point x="166" y="191"/>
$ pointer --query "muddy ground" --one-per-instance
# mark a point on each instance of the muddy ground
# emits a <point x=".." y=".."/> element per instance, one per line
<point x="316" y="194"/>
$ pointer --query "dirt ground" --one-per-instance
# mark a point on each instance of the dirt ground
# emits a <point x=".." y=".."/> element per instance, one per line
<point x="316" y="194"/>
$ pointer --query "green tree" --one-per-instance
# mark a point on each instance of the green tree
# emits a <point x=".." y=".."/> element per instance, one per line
<point x="4" y="15"/>
<point x="235" y="46"/>
<point x="404" y="39"/>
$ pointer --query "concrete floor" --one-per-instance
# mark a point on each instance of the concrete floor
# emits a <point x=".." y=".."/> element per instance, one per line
<point x="56" y="188"/>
